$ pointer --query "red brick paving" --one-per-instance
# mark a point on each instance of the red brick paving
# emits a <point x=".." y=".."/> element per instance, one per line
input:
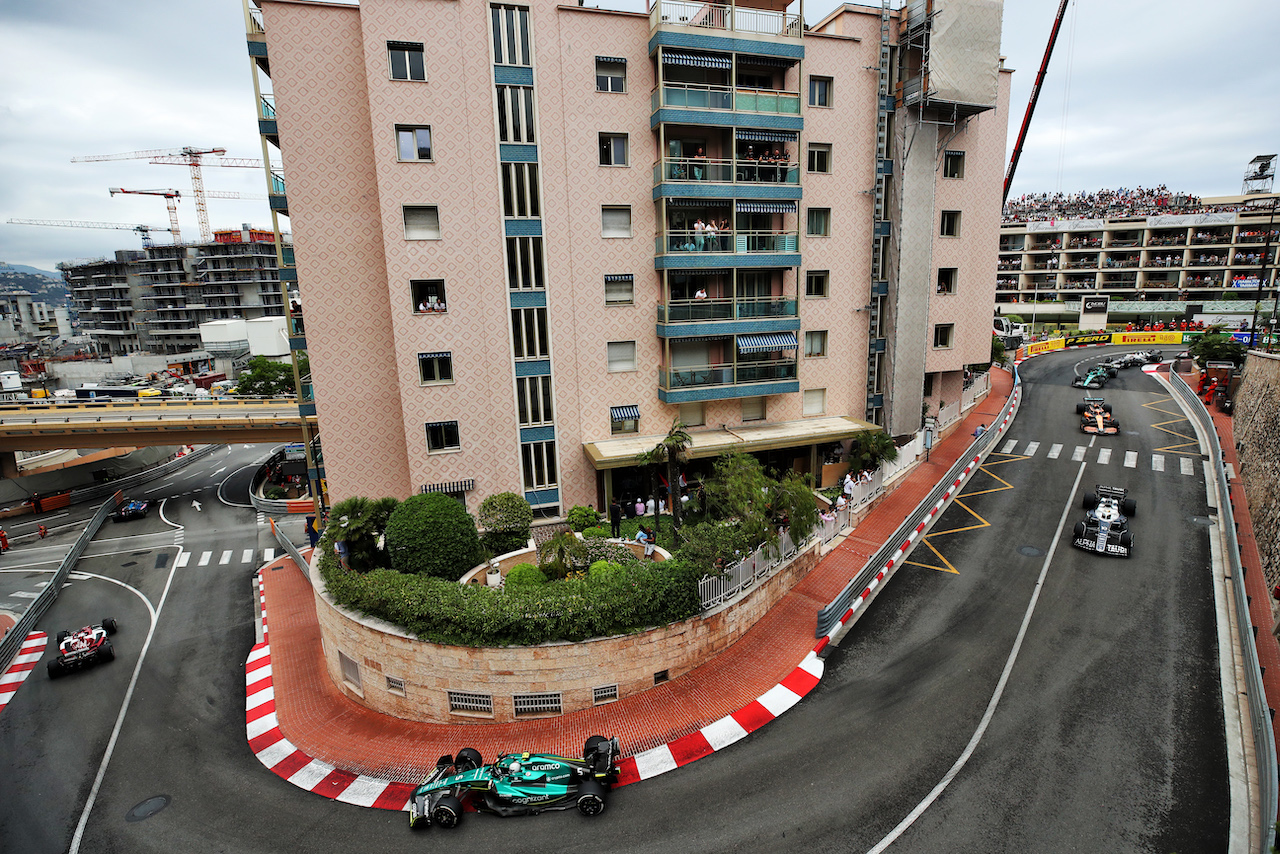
<point x="320" y="721"/>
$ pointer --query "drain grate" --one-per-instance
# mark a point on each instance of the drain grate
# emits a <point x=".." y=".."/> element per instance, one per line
<point x="147" y="808"/>
<point x="1031" y="551"/>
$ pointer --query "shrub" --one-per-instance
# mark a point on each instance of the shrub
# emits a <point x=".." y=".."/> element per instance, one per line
<point x="706" y="543"/>
<point x="275" y="493"/>
<point x="499" y="543"/>
<point x="595" y="549"/>
<point x="558" y="556"/>
<point x="581" y="517"/>
<point x="434" y="535"/>
<point x="595" y="532"/>
<point x="506" y="513"/>
<point x="360" y="523"/>
<point x="525" y="574"/>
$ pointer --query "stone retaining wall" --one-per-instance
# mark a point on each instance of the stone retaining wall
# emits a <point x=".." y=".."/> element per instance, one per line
<point x="402" y="676"/>
<point x="1256" y="425"/>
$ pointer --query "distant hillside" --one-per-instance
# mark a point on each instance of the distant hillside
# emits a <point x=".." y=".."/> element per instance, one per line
<point x="41" y="284"/>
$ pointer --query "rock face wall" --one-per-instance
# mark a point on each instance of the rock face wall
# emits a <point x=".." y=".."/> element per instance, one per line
<point x="1256" y="424"/>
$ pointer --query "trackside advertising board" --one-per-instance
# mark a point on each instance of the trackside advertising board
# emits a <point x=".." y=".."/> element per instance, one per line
<point x="1146" y="338"/>
<point x="1043" y="347"/>
<point x="1082" y="340"/>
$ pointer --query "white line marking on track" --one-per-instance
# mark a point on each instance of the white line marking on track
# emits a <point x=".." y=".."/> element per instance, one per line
<point x="1078" y="454"/>
<point x="1032" y="448"/>
<point x="268" y="555"/>
<point x="225" y="559"/>
<point x="1187" y="466"/>
<point x="183" y="559"/>
<point x="1054" y="451"/>
<point x="247" y="556"/>
<point x="1104" y="456"/>
<point x="1009" y="446"/>
<point x="204" y="558"/>
<point x="1131" y="459"/>
<point x="24" y="594"/>
<point x="1157" y="462"/>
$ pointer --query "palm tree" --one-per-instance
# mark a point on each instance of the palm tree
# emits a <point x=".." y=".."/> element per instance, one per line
<point x="674" y="449"/>
<point x="872" y="448"/>
<point x="651" y="460"/>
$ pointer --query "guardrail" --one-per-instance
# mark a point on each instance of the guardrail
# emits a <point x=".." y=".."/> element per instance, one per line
<point x="739" y="579"/>
<point x="13" y="640"/>
<point x="872" y="572"/>
<point x="1264" y="742"/>
<point x="57" y="405"/>
<point x="89" y="493"/>
<point x="288" y="546"/>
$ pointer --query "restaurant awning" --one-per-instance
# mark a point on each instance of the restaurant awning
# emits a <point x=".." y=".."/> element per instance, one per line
<point x="622" y="452"/>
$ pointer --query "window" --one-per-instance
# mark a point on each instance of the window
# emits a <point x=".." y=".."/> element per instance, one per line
<point x="421" y="222"/>
<point x="428" y="295"/>
<point x="622" y="356"/>
<point x="947" y="280"/>
<point x="953" y="164"/>
<point x="692" y="415"/>
<point x="815" y="401"/>
<point x="413" y="142"/>
<point x="619" y="289"/>
<point x="524" y="263"/>
<point x="350" y="670"/>
<point x="624" y="419"/>
<point x="817" y="283"/>
<point x="533" y="400"/>
<point x="520" y="190"/>
<point x="467" y="702"/>
<point x="613" y="149"/>
<point x="529" y="333"/>
<point x="510" y="34"/>
<point x="753" y="409"/>
<point x="819" y="91"/>
<point x="515" y="114"/>
<point x="951" y="223"/>
<point x="815" y="343"/>
<point x="819" y="222"/>
<point x="435" y="368"/>
<point x="611" y="74"/>
<point x="942" y="335"/>
<point x="539" y="464"/>
<point x="819" y="157"/>
<point x="443" y="436"/>
<point x="615" y="220"/>
<point x="406" y="59"/>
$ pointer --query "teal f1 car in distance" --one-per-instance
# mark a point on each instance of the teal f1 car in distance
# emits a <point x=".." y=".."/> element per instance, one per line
<point x="516" y="784"/>
<point x="1096" y="378"/>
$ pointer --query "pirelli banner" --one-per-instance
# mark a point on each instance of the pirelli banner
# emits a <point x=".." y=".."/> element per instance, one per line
<point x="1043" y="347"/>
<point x="1093" y="313"/>
<point x="1147" y="338"/>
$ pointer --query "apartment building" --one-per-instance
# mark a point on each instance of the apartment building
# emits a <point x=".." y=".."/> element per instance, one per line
<point x="155" y="299"/>
<point x="530" y="237"/>
<point x="1217" y="260"/>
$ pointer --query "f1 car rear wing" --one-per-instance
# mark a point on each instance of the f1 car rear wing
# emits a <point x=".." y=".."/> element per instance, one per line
<point x="1088" y="399"/>
<point x="1115" y="492"/>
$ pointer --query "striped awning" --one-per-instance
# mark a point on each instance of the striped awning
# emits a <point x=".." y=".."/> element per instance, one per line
<point x="624" y="413"/>
<point x="452" y="486"/>
<point x="766" y="135"/>
<point x="697" y="60"/>
<point x="617" y="60"/>
<point x="619" y="277"/>
<point x="767" y="207"/>
<point x="699" y="203"/>
<point x="767" y="342"/>
<point x="424" y="356"/>
<point x="766" y="61"/>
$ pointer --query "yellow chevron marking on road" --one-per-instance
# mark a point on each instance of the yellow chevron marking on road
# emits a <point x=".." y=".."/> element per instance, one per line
<point x="983" y="469"/>
<point x="1192" y="443"/>
<point x="946" y="567"/>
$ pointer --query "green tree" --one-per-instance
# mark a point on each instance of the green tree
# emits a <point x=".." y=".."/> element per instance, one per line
<point x="674" y="449"/>
<point x="738" y="493"/>
<point x="360" y="522"/>
<point x="998" y="355"/>
<point x="560" y="554"/>
<point x="434" y="535"/>
<point x="264" y="378"/>
<point x="506" y="519"/>
<point x="1217" y="346"/>
<point x="792" y="499"/>
<point x="711" y="546"/>
<point x="651" y="461"/>
<point x="870" y="448"/>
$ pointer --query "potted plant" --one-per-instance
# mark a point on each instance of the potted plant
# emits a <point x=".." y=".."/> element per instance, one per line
<point x="493" y="575"/>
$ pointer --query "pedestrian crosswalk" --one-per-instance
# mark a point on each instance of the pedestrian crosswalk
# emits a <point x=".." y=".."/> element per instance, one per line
<point x="224" y="558"/>
<point x="1128" y="459"/>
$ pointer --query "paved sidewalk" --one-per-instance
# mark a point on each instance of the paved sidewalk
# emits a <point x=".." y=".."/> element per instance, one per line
<point x="295" y="707"/>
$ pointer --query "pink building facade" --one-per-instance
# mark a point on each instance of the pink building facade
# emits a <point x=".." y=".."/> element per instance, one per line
<point x="529" y="237"/>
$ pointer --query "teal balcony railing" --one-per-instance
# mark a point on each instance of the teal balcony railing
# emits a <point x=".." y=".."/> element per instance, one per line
<point x="728" y="242"/>
<point x="734" y="373"/>
<point x="722" y="171"/>
<point x="740" y="99"/>
<point x="716" y="16"/>
<point x="277" y="183"/>
<point x="696" y="310"/>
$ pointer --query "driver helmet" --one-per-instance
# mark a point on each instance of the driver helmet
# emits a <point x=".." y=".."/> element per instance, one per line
<point x="514" y="767"/>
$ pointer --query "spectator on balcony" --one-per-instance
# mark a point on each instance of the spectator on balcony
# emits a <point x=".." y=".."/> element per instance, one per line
<point x="700" y="293"/>
<point x="699" y="165"/>
<point x="751" y="172"/>
<point x="724" y="235"/>
<point x="713" y="239"/>
<point x="699" y="235"/>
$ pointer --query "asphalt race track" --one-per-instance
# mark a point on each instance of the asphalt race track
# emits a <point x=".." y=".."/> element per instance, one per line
<point x="1108" y="734"/>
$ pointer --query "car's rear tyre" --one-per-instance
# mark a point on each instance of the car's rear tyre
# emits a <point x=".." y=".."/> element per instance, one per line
<point x="110" y="625"/>
<point x="1081" y="407"/>
<point x="106" y="652"/>
<point x="56" y="668"/>
<point x="1090" y="500"/>
<point x="590" y="798"/>
<point x="1129" y="507"/>
<point x="1126" y="539"/>
<point x="1111" y="372"/>
<point x="1106" y="407"/>
<point x="1078" y="530"/>
<point x="468" y="759"/>
<point x="589" y="749"/>
<point x="63" y="635"/>
<point x="447" y="812"/>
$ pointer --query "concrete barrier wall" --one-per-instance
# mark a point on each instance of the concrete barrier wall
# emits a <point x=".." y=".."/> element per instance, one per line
<point x="429" y="671"/>
<point x="1256" y="425"/>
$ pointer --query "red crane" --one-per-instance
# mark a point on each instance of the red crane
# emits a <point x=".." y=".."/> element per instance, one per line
<point x="186" y="155"/>
<point x="1031" y="103"/>
<point x="171" y="198"/>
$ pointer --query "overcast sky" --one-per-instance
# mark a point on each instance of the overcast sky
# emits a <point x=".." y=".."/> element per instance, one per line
<point x="1180" y="92"/>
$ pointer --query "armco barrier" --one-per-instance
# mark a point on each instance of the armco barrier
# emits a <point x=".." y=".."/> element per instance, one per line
<point x="1264" y="741"/>
<point x="291" y="549"/>
<point x="836" y="613"/>
<point x="13" y="640"/>
<point x="89" y="493"/>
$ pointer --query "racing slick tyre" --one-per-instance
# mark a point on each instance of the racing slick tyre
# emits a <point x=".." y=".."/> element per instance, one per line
<point x="447" y="812"/>
<point x="1106" y="407"/>
<point x="1129" y="507"/>
<point x="1078" y="530"/>
<point x="106" y="652"/>
<point x="1081" y="407"/>
<point x="63" y="635"/>
<point x="589" y="749"/>
<point x="110" y="625"/>
<point x="468" y="759"/>
<point x="1090" y="500"/>
<point x="1126" y="539"/>
<point x="590" y="798"/>
<point x="56" y="668"/>
<point x="1111" y="372"/>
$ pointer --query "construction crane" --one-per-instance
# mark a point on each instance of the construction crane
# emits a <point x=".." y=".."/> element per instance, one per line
<point x="1031" y="103"/>
<point x="227" y="194"/>
<point x="188" y="156"/>
<point x="171" y="198"/>
<point x="143" y="230"/>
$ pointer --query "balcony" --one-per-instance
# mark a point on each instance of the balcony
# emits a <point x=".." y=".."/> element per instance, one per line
<point x="699" y="317"/>
<point x="732" y="242"/>
<point x="717" y="18"/>
<point x="738" y="99"/>
<point x="702" y="170"/>
<point x="727" y="381"/>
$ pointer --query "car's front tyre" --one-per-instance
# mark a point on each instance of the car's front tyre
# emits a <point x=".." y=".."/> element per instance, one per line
<point x="590" y="798"/>
<point x="447" y="812"/>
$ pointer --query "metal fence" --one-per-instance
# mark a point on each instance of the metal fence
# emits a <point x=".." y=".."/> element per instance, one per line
<point x="739" y="579"/>
<point x="89" y="493"/>
<point x="13" y="640"/>
<point x="830" y="614"/>
<point x="1264" y="742"/>
<point x="291" y="549"/>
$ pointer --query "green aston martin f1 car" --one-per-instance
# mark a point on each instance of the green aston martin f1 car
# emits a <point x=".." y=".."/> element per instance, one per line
<point x="516" y="784"/>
